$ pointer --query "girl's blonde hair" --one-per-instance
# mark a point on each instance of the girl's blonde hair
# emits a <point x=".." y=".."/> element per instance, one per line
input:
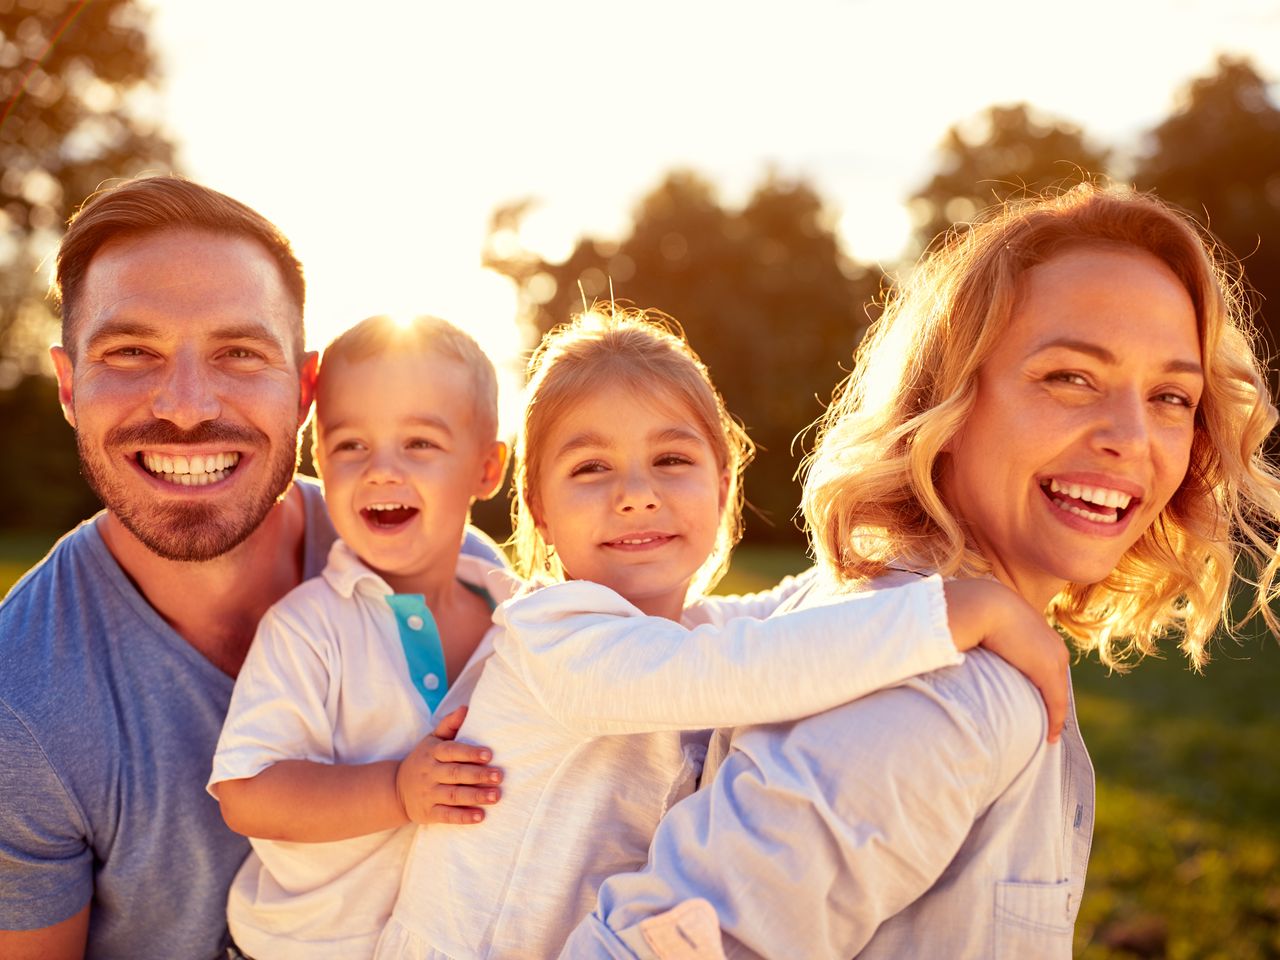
<point x="870" y="492"/>
<point x="645" y="352"/>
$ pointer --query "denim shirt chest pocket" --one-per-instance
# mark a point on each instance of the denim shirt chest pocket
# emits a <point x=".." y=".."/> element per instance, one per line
<point x="1033" y="920"/>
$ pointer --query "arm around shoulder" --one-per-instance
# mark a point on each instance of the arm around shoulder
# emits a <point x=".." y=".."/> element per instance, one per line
<point x="883" y="792"/>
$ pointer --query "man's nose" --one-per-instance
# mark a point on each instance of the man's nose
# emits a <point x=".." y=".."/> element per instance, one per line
<point x="186" y="395"/>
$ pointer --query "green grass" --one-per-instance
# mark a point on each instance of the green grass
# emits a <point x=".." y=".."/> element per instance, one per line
<point x="1186" y="851"/>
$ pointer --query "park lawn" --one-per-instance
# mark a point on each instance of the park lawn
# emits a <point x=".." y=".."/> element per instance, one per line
<point x="1186" y="850"/>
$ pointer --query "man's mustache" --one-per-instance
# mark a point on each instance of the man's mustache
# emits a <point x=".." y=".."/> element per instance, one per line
<point x="162" y="433"/>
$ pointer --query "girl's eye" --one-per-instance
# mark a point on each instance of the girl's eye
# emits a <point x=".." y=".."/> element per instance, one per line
<point x="673" y="460"/>
<point x="591" y="466"/>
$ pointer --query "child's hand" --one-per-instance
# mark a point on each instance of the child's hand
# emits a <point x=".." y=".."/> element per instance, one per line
<point x="987" y="613"/>
<point x="442" y="781"/>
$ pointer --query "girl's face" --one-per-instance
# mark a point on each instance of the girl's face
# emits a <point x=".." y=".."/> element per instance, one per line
<point x="1082" y="427"/>
<point x="630" y="496"/>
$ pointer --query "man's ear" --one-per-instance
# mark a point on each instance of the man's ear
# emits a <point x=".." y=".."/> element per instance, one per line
<point x="493" y="470"/>
<point x="307" y="384"/>
<point x="66" y="392"/>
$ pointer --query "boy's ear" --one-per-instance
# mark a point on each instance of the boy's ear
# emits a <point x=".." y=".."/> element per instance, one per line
<point x="62" y="367"/>
<point x="306" y="385"/>
<point x="493" y="470"/>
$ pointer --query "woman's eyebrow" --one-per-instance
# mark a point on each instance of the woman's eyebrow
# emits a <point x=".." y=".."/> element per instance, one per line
<point x="1101" y="353"/>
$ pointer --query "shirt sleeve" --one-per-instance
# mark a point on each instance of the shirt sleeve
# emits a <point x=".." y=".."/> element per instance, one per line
<point x="46" y="862"/>
<point x="718" y="609"/>
<point x="280" y="708"/>
<point x="813" y="834"/>
<point x="599" y="666"/>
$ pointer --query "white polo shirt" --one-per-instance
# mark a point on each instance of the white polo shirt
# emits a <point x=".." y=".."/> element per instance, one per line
<point x="342" y="670"/>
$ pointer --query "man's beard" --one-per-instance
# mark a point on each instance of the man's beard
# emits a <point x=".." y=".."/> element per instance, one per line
<point x="189" y="531"/>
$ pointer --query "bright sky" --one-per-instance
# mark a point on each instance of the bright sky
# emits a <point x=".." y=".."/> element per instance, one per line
<point x="380" y="134"/>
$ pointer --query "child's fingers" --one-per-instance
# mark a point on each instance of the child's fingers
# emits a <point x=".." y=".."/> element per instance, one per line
<point x="459" y="795"/>
<point x="449" y="726"/>
<point x="451" y="751"/>
<point x="458" y="815"/>
<point x="466" y="773"/>
<point x="1055" y="696"/>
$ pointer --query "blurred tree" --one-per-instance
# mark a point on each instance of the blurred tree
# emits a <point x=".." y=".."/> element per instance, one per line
<point x="74" y="80"/>
<point x="764" y="294"/>
<point x="1218" y="157"/>
<point x="1005" y="152"/>
<point x="75" y="76"/>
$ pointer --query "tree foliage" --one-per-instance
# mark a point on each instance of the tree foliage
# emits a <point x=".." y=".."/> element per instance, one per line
<point x="1008" y="151"/>
<point x="73" y="83"/>
<point x="763" y="293"/>
<point x="1218" y="157"/>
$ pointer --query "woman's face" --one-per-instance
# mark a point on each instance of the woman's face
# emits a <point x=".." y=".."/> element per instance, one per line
<point x="1082" y="426"/>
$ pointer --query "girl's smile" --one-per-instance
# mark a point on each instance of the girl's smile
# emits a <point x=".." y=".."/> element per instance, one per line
<point x="632" y="500"/>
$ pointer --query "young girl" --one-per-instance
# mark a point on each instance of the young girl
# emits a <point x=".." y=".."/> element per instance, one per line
<point x="628" y="491"/>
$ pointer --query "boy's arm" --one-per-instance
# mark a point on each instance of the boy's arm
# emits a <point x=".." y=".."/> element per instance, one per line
<point x="308" y="802"/>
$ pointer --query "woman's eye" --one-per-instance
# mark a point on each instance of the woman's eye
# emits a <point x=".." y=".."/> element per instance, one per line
<point x="1176" y="399"/>
<point x="1068" y="376"/>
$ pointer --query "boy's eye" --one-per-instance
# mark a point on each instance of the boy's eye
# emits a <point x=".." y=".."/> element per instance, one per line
<point x="421" y="443"/>
<point x="347" y="445"/>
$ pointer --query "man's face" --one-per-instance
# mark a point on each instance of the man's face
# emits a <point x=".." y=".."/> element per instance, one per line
<point x="185" y="395"/>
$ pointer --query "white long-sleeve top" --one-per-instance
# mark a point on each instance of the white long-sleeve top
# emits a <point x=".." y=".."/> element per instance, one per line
<point x="587" y="703"/>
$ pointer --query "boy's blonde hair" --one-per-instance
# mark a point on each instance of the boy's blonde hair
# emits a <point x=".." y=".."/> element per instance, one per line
<point x="645" y="352"/>
<point x="870" y="491"/>
<point x="381" y="335"/>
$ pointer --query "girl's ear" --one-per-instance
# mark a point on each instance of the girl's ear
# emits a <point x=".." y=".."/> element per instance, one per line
<point x="724" y="489"/>
<point x="492" y="470"/>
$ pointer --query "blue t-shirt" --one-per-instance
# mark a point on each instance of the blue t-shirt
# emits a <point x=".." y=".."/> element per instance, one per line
<point x="108" y="723"/>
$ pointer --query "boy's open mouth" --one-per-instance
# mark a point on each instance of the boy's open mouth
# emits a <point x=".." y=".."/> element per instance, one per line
<point x="388" y="514"/>
<point x="197" y="470"/>
<point x="1098" y="504"/>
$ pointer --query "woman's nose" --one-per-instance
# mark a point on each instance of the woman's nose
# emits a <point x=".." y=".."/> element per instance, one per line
<point x="1126" y="429"/>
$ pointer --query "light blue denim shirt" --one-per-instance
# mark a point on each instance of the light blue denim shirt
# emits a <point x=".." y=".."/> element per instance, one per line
<point x="931" y="819"/>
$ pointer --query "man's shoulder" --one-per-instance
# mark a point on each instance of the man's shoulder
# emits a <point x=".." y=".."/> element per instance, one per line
<point x="58" y="569"/>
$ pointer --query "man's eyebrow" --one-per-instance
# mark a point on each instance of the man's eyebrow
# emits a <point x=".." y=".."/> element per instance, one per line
<point x="118" y="329"/>
<point x="1101" y="353"/>
<point x="257" y="332"/>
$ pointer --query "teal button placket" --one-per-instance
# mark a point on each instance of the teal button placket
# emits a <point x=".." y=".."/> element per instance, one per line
<point x="420" y="638"/>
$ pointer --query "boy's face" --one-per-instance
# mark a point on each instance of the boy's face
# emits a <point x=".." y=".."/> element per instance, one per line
<point x="401" y="458"/>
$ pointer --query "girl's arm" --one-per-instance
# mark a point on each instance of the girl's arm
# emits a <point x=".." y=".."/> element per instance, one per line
<point x="720" y="609"/>
<point x="601" y="667"/>
<point x="441" y="781"/>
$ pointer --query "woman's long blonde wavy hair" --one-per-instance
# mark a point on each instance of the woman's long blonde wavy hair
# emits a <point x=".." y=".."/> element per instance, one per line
<point x="871" y="494"/>
<point x="646" y="353"/>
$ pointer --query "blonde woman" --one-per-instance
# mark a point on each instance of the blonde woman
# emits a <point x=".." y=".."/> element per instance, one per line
<point x="1065" y="399"/>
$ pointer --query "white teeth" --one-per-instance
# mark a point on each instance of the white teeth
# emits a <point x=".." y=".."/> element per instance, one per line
<point x="198" y="470"/>
<point x="1100" y="496"/>
<point x="385" y="506"/>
